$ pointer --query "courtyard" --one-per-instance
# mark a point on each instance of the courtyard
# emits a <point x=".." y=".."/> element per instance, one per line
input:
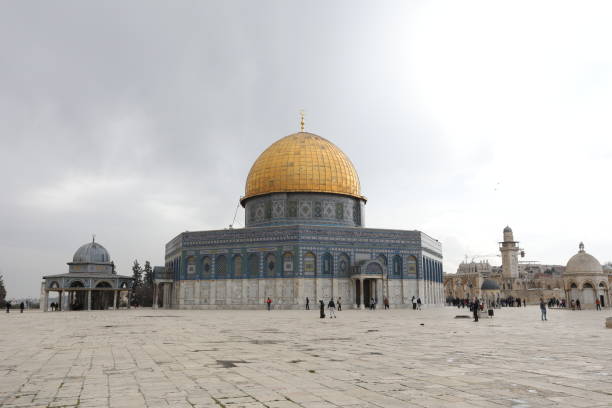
<point x="278" y="359"/>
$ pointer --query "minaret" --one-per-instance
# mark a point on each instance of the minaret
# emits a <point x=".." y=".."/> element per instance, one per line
<point x="509" y="251"/>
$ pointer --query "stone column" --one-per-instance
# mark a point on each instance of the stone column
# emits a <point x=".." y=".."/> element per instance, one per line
<point x="155" y="295"/>
<point x="60" y="300"/>
<point x="114" y="300"/>
<point x="166" y="296"/>
<point x="89" y="299"/>
<point x="45" y="302"/>
<point x="129" y="299"/>
<point x="361" y="298"/>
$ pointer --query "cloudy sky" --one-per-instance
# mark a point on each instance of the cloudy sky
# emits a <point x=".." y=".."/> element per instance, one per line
<point x="139" y="120"/>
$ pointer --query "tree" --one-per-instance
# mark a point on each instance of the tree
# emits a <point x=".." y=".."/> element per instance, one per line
<point x="142" y="293"/>
<point x="148" y="275"/>
<point x="137" y="274"/>
<point x="2" y="292"/>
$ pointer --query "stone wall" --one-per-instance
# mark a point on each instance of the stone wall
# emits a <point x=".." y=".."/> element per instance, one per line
<point x="291" y="293"/>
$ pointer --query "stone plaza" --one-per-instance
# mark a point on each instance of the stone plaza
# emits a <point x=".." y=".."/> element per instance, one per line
<point x="291" y="358"/>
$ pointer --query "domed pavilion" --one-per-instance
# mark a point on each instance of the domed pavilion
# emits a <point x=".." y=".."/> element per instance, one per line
<point x="585" y="280"/>
<point x="304" y="238"/>
<point x="90" y="284"/>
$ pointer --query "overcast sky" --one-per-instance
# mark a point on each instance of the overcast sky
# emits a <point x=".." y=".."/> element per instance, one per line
<point x="139" y="120"/>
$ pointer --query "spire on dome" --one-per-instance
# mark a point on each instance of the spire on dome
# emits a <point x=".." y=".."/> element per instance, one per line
<point x="302" y="120"/>
<point x="581" y="247"/>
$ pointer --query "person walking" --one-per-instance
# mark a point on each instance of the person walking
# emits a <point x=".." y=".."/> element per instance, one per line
<point x="8" y="306"/>
<point x="332" y="308"/>
<point x="269" y="302"/>
<point x="339" y="304"/>
<point x="322" y="309"/>
<point x="578" y="304"/>
<point x="543" y="309"/>
<point x="597" y="304"/>
<point x="524" y="302"/>
<point x="386" y="303"/>
<point x="414" y="303"/>
<point x="475" y="308"/>
<point x="307" y="304"/>
<point x="419" y="303"/>
<point x="372" y="304"/>
<point x="21" y="307"/>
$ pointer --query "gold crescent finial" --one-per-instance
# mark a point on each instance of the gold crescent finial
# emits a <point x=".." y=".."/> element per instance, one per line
<point x="302" y="120"/>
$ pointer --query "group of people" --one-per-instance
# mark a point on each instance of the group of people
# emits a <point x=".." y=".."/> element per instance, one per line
<point x="494" y="303"/>
<point x="8" y="306"/>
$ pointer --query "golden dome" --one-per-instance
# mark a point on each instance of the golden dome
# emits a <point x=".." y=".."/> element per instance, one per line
<point x="302" y="162"/>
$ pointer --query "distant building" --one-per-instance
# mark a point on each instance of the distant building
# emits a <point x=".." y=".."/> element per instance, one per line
<point x="509" y="251"/>
<point x="583" y="278"/>
<point x="90" y="284"/>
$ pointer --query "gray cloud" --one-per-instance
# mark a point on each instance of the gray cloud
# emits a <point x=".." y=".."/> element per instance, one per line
<point x="138" y="120"/>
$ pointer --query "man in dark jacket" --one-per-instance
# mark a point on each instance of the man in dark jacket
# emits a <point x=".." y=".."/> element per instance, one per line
<point x="331" y="306"/>
<point x="543" y="309"/>
<point x="476" y="306"/>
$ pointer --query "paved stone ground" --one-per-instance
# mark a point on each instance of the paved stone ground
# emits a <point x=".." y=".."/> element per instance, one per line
<point x="278" y="359"/>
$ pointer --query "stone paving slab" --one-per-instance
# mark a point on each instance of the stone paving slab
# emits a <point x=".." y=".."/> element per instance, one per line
<point x="286" y="359"/>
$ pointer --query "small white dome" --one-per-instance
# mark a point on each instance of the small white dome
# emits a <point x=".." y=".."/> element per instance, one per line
<point x="583" y="263"/>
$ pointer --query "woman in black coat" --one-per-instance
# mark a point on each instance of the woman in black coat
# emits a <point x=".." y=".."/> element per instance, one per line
<point x="322" y="308"/>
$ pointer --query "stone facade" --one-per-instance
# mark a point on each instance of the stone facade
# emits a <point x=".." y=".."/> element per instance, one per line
<point x="241" y="268"/>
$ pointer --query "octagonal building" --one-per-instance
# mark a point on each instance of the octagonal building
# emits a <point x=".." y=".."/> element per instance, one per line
<point x="304" y="237"/>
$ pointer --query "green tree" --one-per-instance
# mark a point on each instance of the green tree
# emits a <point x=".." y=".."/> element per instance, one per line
<point x="2" y="292"/>
<point x="137" y="274"/>
<point x="148" y="275"/>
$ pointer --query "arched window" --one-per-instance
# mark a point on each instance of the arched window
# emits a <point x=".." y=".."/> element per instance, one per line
<point x="206" y="268"/>
<point x="237" y="266"/>
<point x="382" y="259"/>
<point x="221" y="267"/>
<point x="253" y="266"/>
<point x="310" y="264"/>
<point x="412" y="265"/>
<point x="270" y="266"/>
<point x="397" y="266"/>
<point x="587" y="285"/>
<point x="287" y="264"/>
<point x="328" y="264"/>
<point x="373" y="269"/>
<point x="191" y="267"/>
<point x="343" y="265"/>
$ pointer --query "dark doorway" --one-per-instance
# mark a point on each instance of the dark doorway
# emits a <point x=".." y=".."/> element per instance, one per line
<point x="367" y="293"/>
<point x="78" y="298"/>
<point x="601" y="299"/>
<point x="102" y="299"/>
